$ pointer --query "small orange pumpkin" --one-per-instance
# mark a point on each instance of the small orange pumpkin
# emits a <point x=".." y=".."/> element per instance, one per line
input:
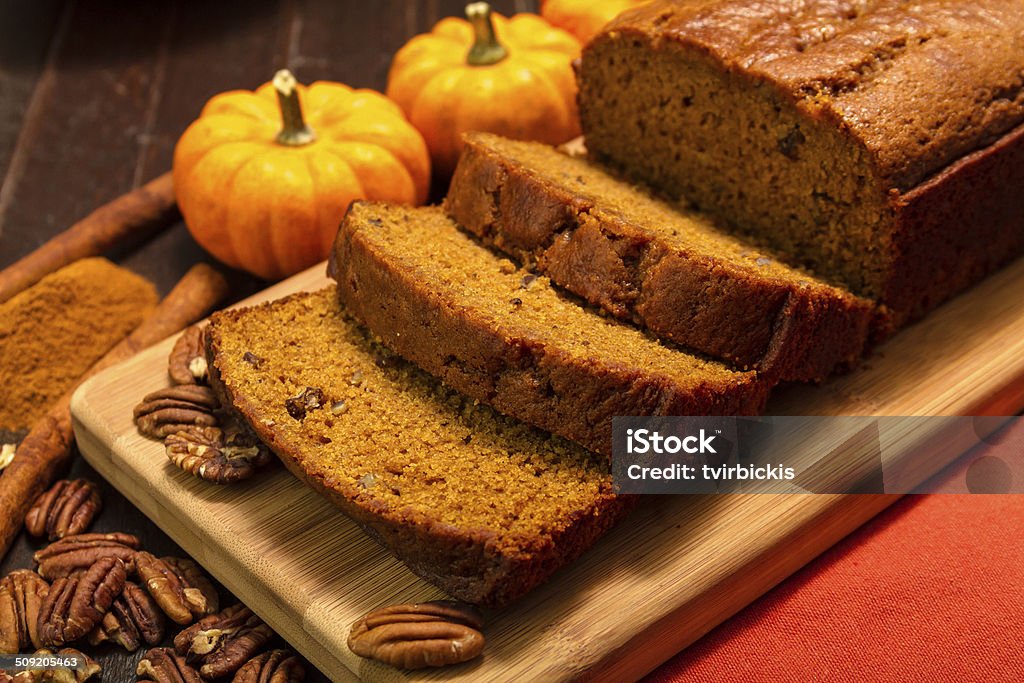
<point x="512" y="77"/>
<point x="263" y="191"/>
<point x="584" y="18"/>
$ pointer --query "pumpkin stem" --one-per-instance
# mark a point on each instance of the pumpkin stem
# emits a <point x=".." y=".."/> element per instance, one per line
<point x="486" y="49"/>
<point x="294" y="131"/>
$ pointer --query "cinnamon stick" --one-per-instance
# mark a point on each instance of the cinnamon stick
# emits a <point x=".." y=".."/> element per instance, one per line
<point x="46" y="450"/>
<point x="137" y="214"/>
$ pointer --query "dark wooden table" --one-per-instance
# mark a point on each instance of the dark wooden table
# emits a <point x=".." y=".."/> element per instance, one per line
<point x="93" y="96"/>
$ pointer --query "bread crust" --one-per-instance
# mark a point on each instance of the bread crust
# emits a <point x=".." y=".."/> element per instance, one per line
<point x="786" y="330"/>
<point x="957" y="227"/>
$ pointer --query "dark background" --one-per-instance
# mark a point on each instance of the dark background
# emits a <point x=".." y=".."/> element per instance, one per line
<point x="94" y="94"/>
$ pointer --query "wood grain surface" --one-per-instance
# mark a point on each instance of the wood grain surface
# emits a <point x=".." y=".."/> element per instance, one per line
<point x="672" y="571"/>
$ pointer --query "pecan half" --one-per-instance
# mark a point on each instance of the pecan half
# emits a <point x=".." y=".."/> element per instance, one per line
<point x="218" y="456"/>
<point x="162" y="665"/>
<point x="415" y="636"/>
<point x="68" y="508"/>
<point x="221" y="643"/>
<point x="72" y="553"/>
<point x="173" y="409"/>
<point x="178" y="586"/>
<point x="21" y="594"/>
<point x="187" y="362"/>
<point x="276" y="666"/>
<point x="133" y="619"/>
<point x="76" y="604"/>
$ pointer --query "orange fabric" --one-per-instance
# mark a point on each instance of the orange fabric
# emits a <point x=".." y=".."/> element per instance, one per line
<point x="930" y="590"/>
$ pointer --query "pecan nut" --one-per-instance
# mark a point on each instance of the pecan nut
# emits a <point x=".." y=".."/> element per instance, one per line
<point x="276" y="666"/>
<point x="221" y="643"/>
<point x="178" y="586"/>
<point x="72" y="553"/>
<point x="21" y="595"/>
<point x="76" y="604"/>
<point x="218" y="456"/>
<point x="199" y="592"/>
<point x="173" y="409"/>
<point x="7" y="453"/>
<point x="133" y="619"/>
<point x="415" y="636"/>
<point x="163" y="665"/>
<point x="67" y="509"/>
<point x="306" y="400"/>
<point x="187" y="362"/>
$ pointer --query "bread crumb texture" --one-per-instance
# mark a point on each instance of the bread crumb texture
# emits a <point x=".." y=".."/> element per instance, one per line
<point x="462" y="274"/>
<point x="393" y="440"/>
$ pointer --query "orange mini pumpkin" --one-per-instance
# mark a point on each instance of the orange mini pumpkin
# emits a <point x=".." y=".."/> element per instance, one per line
<point x="512" y="77"/>
<point x="263" y="191"/>
<point x="584" y="18"/>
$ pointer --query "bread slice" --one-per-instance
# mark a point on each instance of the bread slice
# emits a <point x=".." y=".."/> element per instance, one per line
<point x="479" y="504"/>
<point x="506" y="337"/>
<point x="880" y="143"/>
<point x="672" y="270"/>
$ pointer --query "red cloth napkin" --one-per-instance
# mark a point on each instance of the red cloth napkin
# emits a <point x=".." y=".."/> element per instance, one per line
<point x="930" y="590"/>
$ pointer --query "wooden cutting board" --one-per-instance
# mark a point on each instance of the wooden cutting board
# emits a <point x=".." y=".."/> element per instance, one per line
<point x="671" y="572"/>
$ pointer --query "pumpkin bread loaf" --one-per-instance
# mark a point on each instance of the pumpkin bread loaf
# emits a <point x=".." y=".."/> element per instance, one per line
<point x="879" y="142"/>
<point x="505" y="337"/>
<point x="672" y="270"/>
<point x="481" y="505"/>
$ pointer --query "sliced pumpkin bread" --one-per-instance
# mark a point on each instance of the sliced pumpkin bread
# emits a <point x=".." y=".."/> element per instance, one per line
<point x="479" y="504"/>
<point x="505" y="336"/>
<point x="672" y="270"/>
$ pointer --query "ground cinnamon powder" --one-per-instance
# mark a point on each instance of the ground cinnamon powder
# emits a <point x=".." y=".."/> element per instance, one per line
<point x="51" y="333"/>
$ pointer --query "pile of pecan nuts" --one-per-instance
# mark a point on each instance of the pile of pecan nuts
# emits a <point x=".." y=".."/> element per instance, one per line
<point x="199" y="437"/>
<point x="100" y="588"/>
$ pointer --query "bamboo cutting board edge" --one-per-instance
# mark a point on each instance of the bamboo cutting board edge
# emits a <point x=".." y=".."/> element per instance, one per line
<point x="981" y="370"/>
